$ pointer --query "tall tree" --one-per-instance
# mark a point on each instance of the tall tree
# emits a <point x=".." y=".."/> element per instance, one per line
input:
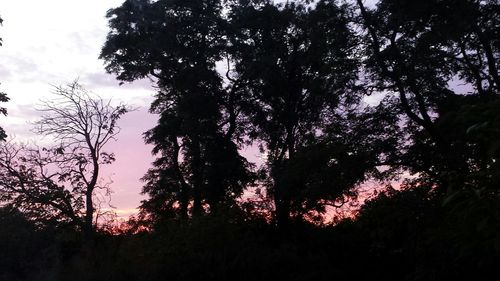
<point x="62" y="182"/>
<point x="417" y="51"/>
<point x="299" y="65"/>
<point x="178" y="43"/>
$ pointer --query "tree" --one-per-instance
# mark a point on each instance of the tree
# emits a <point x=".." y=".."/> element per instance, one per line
<point x="299" y="65"/>
<point x="178" y="43"/>
<point x="3" y="98"/>
<point x="417" y="51"/>
<point x="61" y="182"/>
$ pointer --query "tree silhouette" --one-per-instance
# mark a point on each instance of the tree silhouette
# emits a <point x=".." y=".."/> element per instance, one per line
<point x="299" y="66"/>
<point x="61" y="182"/>
<point x="178" y="43"/>
<point x="416" y="51"/>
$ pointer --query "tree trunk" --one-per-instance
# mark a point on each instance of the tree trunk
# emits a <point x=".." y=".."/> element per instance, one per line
<point x="282" y="206"/>
<point x="88" y="230"/>
<point x="184" y="192"/>
<point x="197" y="177"/>
<point x="281" y="200"/>
<point x="89" y="204"/>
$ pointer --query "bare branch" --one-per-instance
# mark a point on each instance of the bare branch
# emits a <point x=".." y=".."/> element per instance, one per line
<point x="63" y="179"/>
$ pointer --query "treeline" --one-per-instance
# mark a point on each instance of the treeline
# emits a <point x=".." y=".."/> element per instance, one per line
<point x="333" y="93"/>
<point x="293" y="78"/>
<point x="402" y="235"/>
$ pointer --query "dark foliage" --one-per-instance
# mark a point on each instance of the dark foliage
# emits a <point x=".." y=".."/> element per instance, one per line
<point x="419" y="51"/>
<point x="196" y="139"/>
<point x="400" y="235"/>
<point x="298" y="66"/>
<point x="3" y="98"/>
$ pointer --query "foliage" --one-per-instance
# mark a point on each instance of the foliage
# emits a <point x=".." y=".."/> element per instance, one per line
<point x="417" y="51"/>
<point x="294" y="85"/>
<point x="401" y="235"/>
<point x="23" y="246"/>
<point x="3" y="111"/>
<point x="298" y="65"/>
<point x="196" y="140"/>
<point x="424" y="239"/>
<point x="3" y="98"/>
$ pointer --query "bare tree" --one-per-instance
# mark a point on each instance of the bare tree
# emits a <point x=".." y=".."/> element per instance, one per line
<point x="62" y="182"/>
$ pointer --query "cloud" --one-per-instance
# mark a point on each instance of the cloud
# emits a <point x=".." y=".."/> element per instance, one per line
<point x="5" y="73"/>
<point x="103" y="79"/>
<point x="76" y="42"/>
<point x="18" y="68"/>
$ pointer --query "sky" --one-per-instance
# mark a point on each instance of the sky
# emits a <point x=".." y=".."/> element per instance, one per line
<point x="54" y="42"/>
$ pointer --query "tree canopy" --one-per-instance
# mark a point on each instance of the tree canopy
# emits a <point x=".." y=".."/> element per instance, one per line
<point x="195" y="139"/>
<point x="292" y="78"/>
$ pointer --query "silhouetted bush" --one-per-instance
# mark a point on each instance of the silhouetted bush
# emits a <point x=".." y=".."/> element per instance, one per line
<point x="400" y="235"/>
<point x="27" y="252"/>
